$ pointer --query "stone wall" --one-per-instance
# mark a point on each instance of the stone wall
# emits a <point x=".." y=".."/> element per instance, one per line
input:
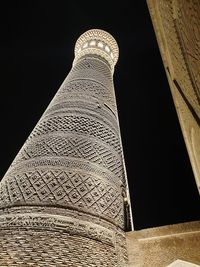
<point x="176" y="24"/>
<point x="158" y="247"/>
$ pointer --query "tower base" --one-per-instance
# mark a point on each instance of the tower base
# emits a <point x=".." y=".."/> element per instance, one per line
<point x="41" y="238"/>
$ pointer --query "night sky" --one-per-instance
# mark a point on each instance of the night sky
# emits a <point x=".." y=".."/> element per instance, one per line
<point x="37" y="42"/>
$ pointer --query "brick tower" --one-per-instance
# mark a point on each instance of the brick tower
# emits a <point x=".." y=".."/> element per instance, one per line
<point x="63" y="201"/>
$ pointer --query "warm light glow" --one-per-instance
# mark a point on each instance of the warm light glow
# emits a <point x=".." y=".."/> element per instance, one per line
<point x="93" y="43"/>
<point x="97" y="42"/>
<point x="100" y="44"/>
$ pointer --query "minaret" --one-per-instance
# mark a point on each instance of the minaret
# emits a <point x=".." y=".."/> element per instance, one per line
<point x="63" y="200"/>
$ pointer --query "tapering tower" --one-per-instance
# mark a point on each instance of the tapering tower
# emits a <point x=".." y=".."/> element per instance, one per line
<point x="63" y="199"/>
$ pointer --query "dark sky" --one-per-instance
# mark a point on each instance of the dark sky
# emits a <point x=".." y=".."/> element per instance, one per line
<point x="37" y="42"/>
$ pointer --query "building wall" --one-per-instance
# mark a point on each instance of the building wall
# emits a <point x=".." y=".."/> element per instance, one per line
<point x="160" y="246"/>
<point x="176" y="24"/>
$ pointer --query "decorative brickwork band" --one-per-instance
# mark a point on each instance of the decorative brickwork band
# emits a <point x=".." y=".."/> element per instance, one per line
<point x="70" y="225"/>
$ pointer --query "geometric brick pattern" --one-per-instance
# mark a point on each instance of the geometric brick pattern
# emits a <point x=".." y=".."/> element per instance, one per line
<point x="75" y="190"/>
<point x="67" y="224"/>
<point x="73" y="147"/>
<point x="26" y="247"/>
<point x="70" y="123"/>
<point x="91" y="88"/>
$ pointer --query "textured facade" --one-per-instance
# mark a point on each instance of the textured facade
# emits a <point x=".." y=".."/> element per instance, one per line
<point x="176" y="24"/>
<point x="63" y="201"/>
<point x="161" y="246"/>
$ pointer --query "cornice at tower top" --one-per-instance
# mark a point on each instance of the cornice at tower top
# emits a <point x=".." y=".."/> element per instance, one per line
<point x="97" y="42"/>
